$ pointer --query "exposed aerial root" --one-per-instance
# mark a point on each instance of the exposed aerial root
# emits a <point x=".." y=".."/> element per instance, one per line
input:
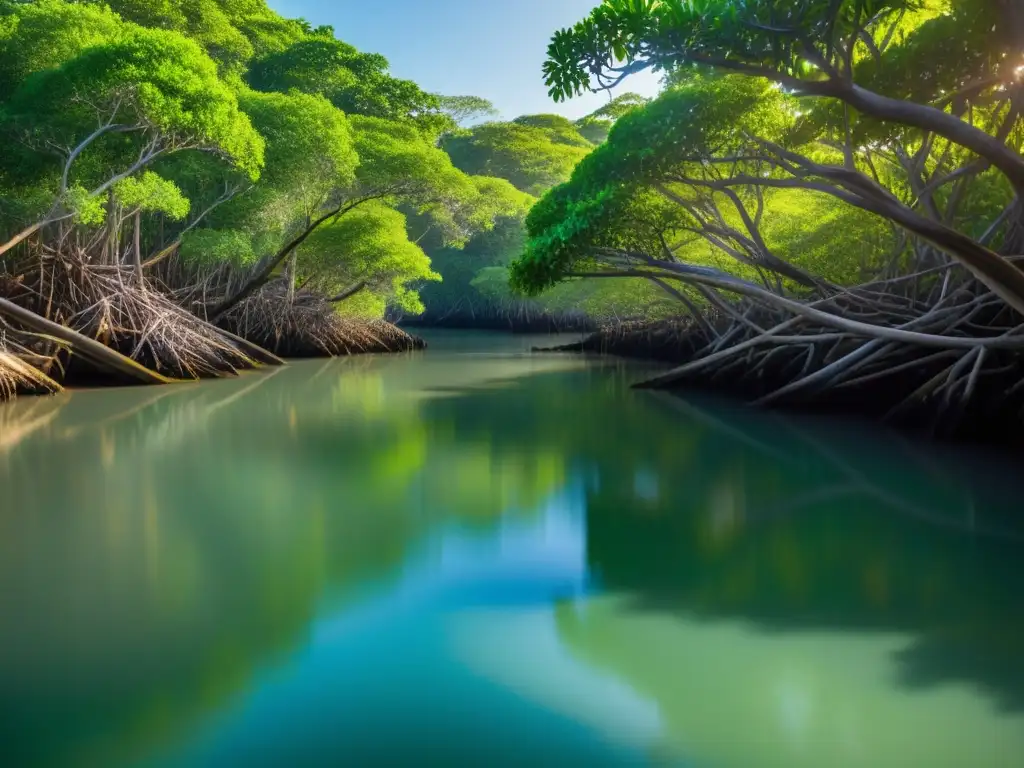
<point x="109" y="305"/>
<point x="309" y="326"/>
<point x="17" y="375"/>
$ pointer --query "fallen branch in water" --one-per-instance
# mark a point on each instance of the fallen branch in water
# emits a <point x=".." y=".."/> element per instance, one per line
<point x="99" y="354"/>
<point x="107" y="316"/>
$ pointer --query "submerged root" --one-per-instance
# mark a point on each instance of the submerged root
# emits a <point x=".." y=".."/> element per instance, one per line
<point x="308" y="326"/>
<point x="109" y="304"/>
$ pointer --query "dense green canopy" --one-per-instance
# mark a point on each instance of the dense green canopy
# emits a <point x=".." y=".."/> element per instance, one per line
<point x="775" y="111"/>
<point x="534" y="153"/>
<point x="531" y="152"/>
<point x="228" y="136"/>
<point x="354" y="82"/>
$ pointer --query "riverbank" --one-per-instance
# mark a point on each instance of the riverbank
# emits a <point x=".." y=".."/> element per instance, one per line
<point x="909" y="397"/>
<point x="510" y="322"/>
<point x="104" y="327"/>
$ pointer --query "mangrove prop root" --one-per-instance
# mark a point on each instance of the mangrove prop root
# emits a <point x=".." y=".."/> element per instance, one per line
<point x="106" y="315"/>
<point x="16" y="375"/>
<point x="97" y="353"/>
<point x="307" y="325"/>
<point x="253" y="350"/>
<point x="940" y="350"/>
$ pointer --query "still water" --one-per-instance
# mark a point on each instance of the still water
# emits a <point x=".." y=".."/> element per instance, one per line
<point x="474" y="555"/>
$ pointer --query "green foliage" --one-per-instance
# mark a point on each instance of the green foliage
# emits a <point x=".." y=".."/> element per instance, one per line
<point x="511" y="163"/>
<point x="150" y="193"/>
<point x="533" y="152"/>
<point x="309" y="142"/>
<point x="310" y="155"/>
<point x="596" y="126"/>
<point x="150" y="82"/>
<point x="215" y="246"/>
<point x="949" y="53"/>
<point x="231" y="31"/>
<point x="369" y="244"/>
<point x="464" y="108"/>
<point x="557" y="129"/>
<point x="442" y="226"/>
<point x="777" y="36"/>
<point x="501" y="199"/>
<point x="824" y="236"/>
<point x="89" y="209"/>
<point x="619" y="106"/>
<point x="601" y="205"/>
<point x="47" y="33"/>
<point x="593" y="129"/>
<point x="204" y="21"/>
<point x="355" y="82"/>
<point x="533" y="156"/>
<point x="24" y="203"/>
<point x="396" y="161"/>
<point x="263" y="28"/>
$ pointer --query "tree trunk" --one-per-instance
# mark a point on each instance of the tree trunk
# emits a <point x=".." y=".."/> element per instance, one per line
<point x="348" y="293"/>
<point x="137" y="249"/>
<point x="109" y="255"/>
<point x="289" y="276"/>
<point x="263" y="271"/>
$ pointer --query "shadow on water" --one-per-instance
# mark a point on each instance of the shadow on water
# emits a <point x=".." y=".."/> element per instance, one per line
<point x="706" y="510"/>
<point x="798" y="529"/>
<point x="159" y="547"/>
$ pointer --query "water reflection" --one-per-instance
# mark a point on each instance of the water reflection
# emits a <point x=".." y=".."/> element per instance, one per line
<point x="618" y="576"/>
<point x="732" y="694"/>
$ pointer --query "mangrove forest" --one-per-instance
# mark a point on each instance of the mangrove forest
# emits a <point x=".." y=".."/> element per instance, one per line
<point x="565" y="383"/>
<point x="821" y="207"/>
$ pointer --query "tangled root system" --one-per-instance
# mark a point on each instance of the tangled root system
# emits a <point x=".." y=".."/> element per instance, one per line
<point x="17" y="374"/>
<point x="110" y="304"/>
<point x="308" y="326"/>
<point x="934" y="350"/>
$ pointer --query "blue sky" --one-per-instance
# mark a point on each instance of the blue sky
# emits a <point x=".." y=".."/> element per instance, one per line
<point x="489" y="48"/>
